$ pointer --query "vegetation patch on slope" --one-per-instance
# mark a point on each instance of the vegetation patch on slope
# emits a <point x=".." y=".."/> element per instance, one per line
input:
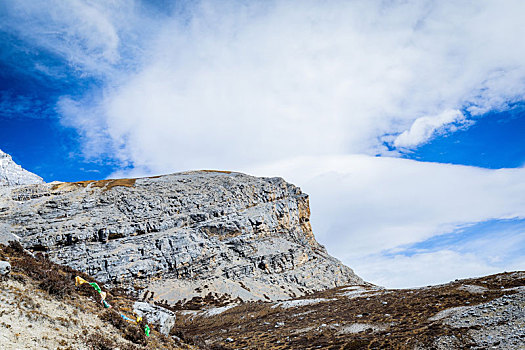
<point x="104" y="184"/>
<point x="352" y="317"/>
<point x="40" y="308"/>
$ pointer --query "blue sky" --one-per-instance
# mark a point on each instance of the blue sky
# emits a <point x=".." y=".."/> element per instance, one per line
<point x="376" y="92"/>
<point x="31" y="129"/>
<point x="495" y="141"/>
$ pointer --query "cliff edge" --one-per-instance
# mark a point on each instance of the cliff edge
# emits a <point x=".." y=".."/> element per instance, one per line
<point x="201" y="234"/>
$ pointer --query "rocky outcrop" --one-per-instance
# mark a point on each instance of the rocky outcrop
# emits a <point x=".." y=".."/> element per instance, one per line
<point x="162" y="318"/>
<point x="174" y="237"/>
<point x="497" y="324"/>
<point x="12" y="174"/>
<point x="5" y="268"/>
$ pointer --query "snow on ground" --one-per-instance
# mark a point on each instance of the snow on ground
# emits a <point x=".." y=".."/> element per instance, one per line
<point x="217" y="310"/>
<point x="360" y="327"/>
<point x="302" y="302"/>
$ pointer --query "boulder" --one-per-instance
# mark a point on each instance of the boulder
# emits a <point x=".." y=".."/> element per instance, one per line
<point x="163" y="319"/>
<point x="5" y="268"/>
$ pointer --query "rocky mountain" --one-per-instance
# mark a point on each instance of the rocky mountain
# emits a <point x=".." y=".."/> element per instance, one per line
<point x="201" y="235"/>
<point x="12" y="174"/>
<point x="188" y="250"/>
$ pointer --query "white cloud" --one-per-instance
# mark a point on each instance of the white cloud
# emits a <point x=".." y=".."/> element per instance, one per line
<point x="90" y="124"/>
<point x="424" y="128"/>
<point x="231" y="84"/>
<point x="87" y="34"/>
<point x="425" y="269"/>
<point x="478" y="250"/>
<point x="244" y="85"/>
<point x="363" y="206"/>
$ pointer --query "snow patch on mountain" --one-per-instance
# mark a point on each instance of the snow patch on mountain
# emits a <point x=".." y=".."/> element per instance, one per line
<point x="12" y="174"/>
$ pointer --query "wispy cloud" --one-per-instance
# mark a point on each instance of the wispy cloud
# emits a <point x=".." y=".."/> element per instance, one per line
<point x="75" y="30"/>
<point x="248" y="82"/>
<point x="19" y="106"/>
<point x="99" y="39"/>
<point x="424" y="128"/>
<point x="480" y="249"/>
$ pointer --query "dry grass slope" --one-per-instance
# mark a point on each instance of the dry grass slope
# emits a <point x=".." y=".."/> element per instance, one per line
<point x="349" y="318"/>
<point x="104" y="184"/>
<point x="111" y="183"/>
<point x="41" y="308"/>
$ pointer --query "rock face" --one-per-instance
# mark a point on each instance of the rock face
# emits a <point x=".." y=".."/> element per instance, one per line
<point x="162" y="318"/>
<point x="179" y="236"/>
<point x="12" y="174"/>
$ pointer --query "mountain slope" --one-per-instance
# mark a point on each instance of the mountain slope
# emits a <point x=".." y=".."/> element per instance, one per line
<point x="41" y="308"/>
<point x="478" y="313"/>
<point x="12" y="174"/>
<point x="195" y="234"/>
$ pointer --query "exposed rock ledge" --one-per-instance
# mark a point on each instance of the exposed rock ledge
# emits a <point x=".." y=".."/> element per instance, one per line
<point x="179" y="236"/>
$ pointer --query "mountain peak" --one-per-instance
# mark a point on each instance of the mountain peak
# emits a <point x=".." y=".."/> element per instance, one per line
<point x="12" y="174"/>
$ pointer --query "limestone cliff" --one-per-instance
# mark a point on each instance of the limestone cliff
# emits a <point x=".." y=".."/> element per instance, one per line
<point x="178" y="236"/>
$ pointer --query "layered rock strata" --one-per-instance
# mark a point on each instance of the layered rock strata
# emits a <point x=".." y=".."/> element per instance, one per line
<point x="178" y="236"/>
